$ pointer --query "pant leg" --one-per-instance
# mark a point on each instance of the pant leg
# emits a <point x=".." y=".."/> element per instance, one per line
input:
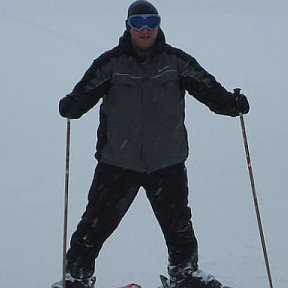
<point x="167" y="190"/>
<point x="112" y="191"/>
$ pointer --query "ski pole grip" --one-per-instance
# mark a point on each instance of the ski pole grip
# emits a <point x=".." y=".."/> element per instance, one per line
<point x="237" y="91"/>
<point x="237" y="94"/>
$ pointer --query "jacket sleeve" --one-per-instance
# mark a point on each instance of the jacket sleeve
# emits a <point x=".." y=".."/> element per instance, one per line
<point x="89" y="90"/>
<point x="204" y="87"/>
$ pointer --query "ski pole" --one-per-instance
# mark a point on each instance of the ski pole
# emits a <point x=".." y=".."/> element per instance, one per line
<point x="252" y="182"/>
<point x="67" y="164"/>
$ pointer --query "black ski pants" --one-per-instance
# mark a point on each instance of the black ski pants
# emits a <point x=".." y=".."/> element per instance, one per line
<point x="112" y="191"/>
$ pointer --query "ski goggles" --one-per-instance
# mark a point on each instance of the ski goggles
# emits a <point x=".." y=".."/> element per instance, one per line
<point x="141" y="21"/>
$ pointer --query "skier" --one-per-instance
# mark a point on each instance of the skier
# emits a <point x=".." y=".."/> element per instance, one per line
<point x="142" y="142"/>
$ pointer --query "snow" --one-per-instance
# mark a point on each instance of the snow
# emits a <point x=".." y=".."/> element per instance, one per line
<point x="46" y="46"/>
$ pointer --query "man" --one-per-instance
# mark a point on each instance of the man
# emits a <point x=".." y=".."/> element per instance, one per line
<point x="142" y="142"/>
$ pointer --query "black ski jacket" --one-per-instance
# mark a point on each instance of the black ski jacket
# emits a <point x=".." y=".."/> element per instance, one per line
<point x="143" y="105"/>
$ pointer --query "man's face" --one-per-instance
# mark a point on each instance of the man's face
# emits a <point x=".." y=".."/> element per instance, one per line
<point x="143" y="39"/>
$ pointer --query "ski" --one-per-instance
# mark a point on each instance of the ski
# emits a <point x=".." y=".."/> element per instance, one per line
<point x="132" y="285"/>
<point x="92" y="284"/>
<point x="164" y="281"/>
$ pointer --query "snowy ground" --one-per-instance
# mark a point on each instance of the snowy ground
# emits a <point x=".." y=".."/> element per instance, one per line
<point x="45" y="48"/>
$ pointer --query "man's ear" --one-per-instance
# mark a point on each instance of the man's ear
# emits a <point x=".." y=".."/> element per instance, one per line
<point x="127" y="26"/>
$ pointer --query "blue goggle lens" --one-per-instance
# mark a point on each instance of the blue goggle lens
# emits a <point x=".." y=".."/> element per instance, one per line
<point x="141" y="21"/>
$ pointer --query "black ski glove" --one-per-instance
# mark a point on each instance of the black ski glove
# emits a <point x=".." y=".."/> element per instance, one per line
<point x="242" y="104"/>
<point x="68" y="108"/>
<point x="65" y="107"/>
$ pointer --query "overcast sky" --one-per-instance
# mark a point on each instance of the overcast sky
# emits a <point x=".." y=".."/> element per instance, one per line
<point x="46" y="46"/>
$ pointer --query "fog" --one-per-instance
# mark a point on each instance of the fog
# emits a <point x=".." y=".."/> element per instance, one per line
<point x="46" y="46"/>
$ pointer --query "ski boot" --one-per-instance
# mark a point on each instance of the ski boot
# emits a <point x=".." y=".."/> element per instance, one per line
<point x="71" y="282"/>
<point x="187" y="275"/>
<point x="194" y="279"/>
